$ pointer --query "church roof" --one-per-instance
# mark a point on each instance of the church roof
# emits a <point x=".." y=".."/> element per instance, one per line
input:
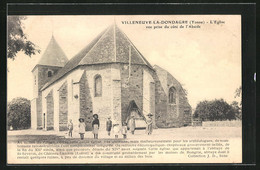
<point x="53" y="55"/>
<point x="110" y="46"/>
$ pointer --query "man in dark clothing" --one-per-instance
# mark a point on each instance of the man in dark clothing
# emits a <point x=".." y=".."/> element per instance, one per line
<point x="95" y="126"/>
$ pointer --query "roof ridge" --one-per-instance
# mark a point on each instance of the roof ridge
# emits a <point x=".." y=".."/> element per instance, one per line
<point x="68" y="66"/>
<point x="95" y="44"/>
<point x="138" y="52"/>
<point x="91" y="54"/>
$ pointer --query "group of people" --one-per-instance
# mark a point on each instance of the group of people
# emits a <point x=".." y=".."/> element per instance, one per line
<point x="95" y="127"/>
<point x="109" y="126"/>
<point x="116" y="128"/>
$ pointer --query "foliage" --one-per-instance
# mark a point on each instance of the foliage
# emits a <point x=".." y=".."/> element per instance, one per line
<point x="238" y="92"/>
<point x="217" y="109"/>
<point x="237" y="109"/>
<point x="19" y="113"/>
<point x="17" y="39"/>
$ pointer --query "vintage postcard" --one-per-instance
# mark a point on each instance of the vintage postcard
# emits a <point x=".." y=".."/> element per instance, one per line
<point x="124" y="89"/>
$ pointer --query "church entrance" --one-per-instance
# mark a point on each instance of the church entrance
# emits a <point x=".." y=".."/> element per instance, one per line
<point x="133" y="111"/>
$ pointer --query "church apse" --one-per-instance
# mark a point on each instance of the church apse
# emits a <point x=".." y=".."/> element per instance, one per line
<point x="131" y="87"/>
<point x="104" y="78"/>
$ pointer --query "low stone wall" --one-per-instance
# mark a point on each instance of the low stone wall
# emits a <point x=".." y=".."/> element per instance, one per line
<point x="196" y="123"/>
<point x="226" y="123"/>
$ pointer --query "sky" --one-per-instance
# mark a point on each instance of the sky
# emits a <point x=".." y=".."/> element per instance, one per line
<point x="205" y="60"/>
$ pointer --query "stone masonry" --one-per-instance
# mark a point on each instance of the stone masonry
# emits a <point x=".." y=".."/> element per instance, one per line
<point x="50" y="111"/>
<point x="125" y="76"/>
<point x="63" y="107"/>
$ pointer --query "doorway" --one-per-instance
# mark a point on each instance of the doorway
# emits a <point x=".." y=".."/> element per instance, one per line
<point x="133" y="110"/>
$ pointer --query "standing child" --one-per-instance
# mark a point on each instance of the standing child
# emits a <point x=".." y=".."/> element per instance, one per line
<point x="149" y="124"/>
<point x="124" y="129"/>
<point x="70" y="127"/>
<point x="95" y="126"/>
<point x="116" y="130"/>
<point x="109" y="125"/>
<point x="82" y="126"/>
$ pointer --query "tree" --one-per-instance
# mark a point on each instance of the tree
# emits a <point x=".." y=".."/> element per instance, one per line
<point x="19" y="113"/>
<point x="237" y="110"/>
<point x="17" y="39"/>
<point x="217" y="109"/>
<point x="238" y="92"/>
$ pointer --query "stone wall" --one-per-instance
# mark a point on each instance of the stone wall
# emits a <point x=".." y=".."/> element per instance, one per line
<point x="50" y="111"/>
<point x="85" y="102"/>
<point x="116" y="94"/>
<point x="183" y="107"/>
<point x="116" y="102"/>
<point x="170" y="114"/>
<point x="147" y="92"/>
<point x="34" y="114"/>
<point x="40" y="77"/>
<point x="63" y="107"/>
<point x="35" y="83"/>
<point x="100" y="105"/>
<point x="37" y="99"/>
<point x="43" y="74"/>
<point x="39" y="111"/>
<point x="152" y="102"/>
<point x="132" y="89"/>
<point x="71" y="80"/>
<point x="160" y="104"/>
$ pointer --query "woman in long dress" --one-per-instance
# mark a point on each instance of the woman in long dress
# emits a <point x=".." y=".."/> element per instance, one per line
<point x="131" y="124"/>
<point x="82" y="126"/>
<point x="149" y="124"/>
<point x="95" y="126"/>
<point x="116" y="129"/>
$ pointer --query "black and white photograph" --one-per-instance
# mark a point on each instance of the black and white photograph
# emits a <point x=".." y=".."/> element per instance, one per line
<point x="88" y="89"/>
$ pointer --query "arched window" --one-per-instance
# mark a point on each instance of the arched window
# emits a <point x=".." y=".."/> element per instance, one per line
<point x="49" y="73"/>
<point x="98" y="85"/>
<point x="172" y="95"/>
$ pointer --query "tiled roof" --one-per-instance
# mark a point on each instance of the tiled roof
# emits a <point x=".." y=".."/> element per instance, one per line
<point x="111" y="46"/>
<point x="53" y="55"/>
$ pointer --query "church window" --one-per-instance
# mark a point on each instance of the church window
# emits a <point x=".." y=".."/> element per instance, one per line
<point x="172" y="95"/>
<point x="34" y="80"/>
<point x="49" y="73"/>
<point x="98" y="85"/>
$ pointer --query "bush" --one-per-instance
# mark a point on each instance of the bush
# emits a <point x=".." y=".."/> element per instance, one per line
<point x="19" y="113"/>
<point x="217" y="109"/>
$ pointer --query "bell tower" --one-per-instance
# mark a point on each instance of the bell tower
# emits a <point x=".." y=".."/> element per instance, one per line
<point x="52" y="60"/>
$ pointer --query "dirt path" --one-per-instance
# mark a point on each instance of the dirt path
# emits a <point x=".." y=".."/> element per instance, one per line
<point x="32" y="136"/>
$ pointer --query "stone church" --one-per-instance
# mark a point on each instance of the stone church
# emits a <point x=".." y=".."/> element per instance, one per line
<point x="108" y="77"/>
